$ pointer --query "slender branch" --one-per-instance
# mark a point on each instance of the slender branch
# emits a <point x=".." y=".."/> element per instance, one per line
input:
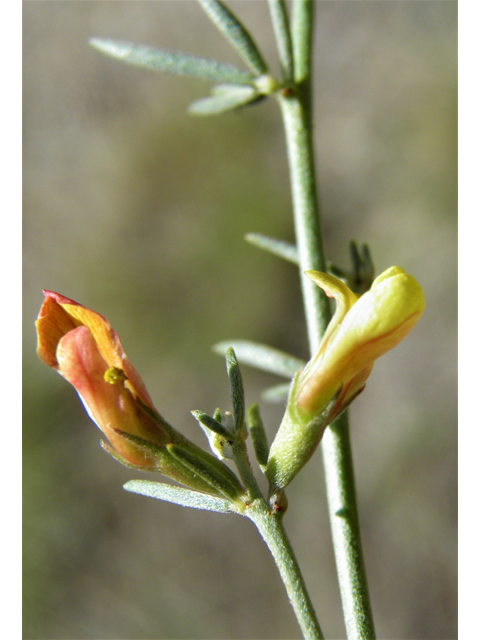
<point x="296" y="110"/>
<point x="269" y="524"/>
<point x="306" y="210"/>
<point x="272" y="531"/>
<point x="347" y="542"/>
<point x="302" y="38"/>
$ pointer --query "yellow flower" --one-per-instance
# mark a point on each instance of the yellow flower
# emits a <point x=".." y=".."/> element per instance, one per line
<point x="82" y="346"/>
<point x="362" y="329"/>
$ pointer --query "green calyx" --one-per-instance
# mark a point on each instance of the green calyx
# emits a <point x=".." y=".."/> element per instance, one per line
<point x="295" y="442"/>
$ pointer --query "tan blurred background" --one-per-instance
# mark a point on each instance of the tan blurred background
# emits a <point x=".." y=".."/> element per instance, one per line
<point x="137" y="210"/>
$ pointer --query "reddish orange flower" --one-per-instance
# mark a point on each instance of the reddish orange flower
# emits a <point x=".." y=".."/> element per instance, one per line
<point x="82" y="346"/>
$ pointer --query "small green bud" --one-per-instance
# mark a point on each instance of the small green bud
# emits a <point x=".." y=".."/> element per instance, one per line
<point x="220" y="432"/>
<point x="266" y="84"/>
<point x="221" y="447"/>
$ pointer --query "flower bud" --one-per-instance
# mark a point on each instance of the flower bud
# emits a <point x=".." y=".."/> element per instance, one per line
<point x="362" y="329"/>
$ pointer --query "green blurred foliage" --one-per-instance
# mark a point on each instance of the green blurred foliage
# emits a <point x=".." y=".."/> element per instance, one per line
<point x="139" y="211"/>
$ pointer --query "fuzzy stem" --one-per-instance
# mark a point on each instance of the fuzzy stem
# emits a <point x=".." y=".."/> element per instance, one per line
<point x="269" y="524"/>
<point x="298" y="132"/>
<point x="352" y="577"/>
<point x="338" y="462"/>
<point x="271" y="529"/>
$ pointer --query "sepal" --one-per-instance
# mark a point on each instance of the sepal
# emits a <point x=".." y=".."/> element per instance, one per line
<point x="160" y="459"/>
<point x="218" y="476"/>
<point x="259" y="437"/>
<point x="295" y="442"/>
<point x="237" y="393"/>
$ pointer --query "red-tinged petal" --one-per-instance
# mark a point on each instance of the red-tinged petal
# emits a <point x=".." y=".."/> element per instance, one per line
<point x="111" y="406"/>
<point x="52" y="324"/>
<point x="82" y="346"/>
<point x="59" y="315"/>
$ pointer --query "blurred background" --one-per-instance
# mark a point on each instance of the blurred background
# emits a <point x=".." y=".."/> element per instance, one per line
<point x="138" y="211"/>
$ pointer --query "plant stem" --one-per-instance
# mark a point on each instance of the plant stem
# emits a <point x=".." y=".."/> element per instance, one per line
<point x="338" y="462"/>
<point x="298" y="132"/>
<point x="347" y="542"/>
<point x="271" y="528"/>
<point x="269" y="523"/>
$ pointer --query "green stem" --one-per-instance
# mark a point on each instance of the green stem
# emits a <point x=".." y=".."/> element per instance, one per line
<point x="302" y="38"/>
<point x="296" y="111"/>
<point x="269" y="523"/>
<point x="240" y="456"/>
<point x="298" y="132"/>
<point x="347" y="542"/>
<point x="271" y="529"/>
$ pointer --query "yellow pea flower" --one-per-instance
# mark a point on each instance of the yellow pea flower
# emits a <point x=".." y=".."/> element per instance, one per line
<point x="362" y="329"/>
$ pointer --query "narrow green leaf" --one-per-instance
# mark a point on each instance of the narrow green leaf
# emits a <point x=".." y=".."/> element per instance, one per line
<point x="178" y="495"/>
<point x="262" y="357"/>
<point x="175" y="62"/>
<point x="259" y="437"/>
<point x="276" y="394"/>
<point x="224" y="98"/>
<point x="222" y="479"/>
<point x="236" y="389"/>
<point x="337" y="272"/>
<point x="288" y="251"/>
<point x="211" y="423"/>
<point x="279" y="248"/>
<point x="355" y="255"/>
<point x="278" y="11"/>
<point x="363" y="270"/>
<point x="367" y="258"/>
<point x="234" y="31"/>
